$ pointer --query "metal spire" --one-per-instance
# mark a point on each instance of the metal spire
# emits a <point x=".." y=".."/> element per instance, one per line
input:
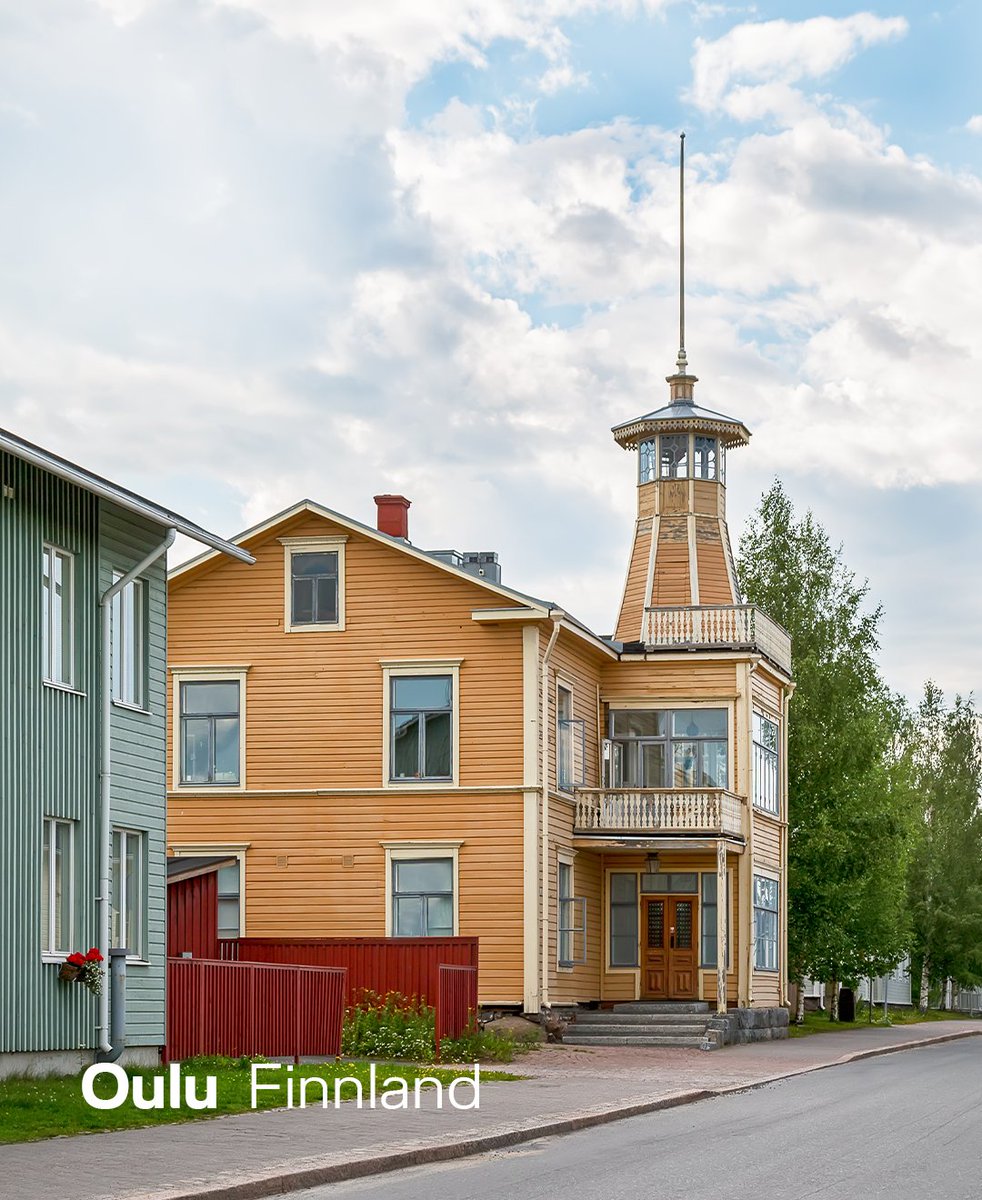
<point x="681" y="362"/>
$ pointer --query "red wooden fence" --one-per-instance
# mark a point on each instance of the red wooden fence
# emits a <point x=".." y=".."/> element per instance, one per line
<point x="456" y="1007"/>
<point x="192" y="917"/>
<point x="235" y="1008"/>
<point x="406" y="965"/>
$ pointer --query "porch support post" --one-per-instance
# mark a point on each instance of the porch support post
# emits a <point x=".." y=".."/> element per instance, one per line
<point x="722" y="905"/>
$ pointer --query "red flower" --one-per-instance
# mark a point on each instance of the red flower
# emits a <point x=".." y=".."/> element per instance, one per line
<point x="93" y="955"/>
<point x="75" y="959"/>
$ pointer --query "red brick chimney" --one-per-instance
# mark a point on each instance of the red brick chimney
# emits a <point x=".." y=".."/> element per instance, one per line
<point x="393" y="516"/>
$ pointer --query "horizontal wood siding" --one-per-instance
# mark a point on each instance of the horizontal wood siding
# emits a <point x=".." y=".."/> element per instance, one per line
<point x="767" y="841"/>
<point x="581" y="983"/>
<point x="679" y="680"/>
<point x="575" y="663"/>
<point x="315" y="866"/>
<point x="767" y="693"/>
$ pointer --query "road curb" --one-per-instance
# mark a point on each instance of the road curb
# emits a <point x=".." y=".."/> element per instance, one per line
<point x="339" y="1172"/>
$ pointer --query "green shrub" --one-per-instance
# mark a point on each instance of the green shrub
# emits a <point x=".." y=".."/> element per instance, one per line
<point x="391" y="1026"/>
<point x="487" y="1046"/>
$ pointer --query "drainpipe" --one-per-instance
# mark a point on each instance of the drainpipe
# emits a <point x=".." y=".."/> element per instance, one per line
<point x="105" y="777"/>
<point x="556" y="615"/>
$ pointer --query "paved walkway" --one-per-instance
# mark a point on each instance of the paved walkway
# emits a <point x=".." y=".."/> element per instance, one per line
<point x="261" y="1154"/>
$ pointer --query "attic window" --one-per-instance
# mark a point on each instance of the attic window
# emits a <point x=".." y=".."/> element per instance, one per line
<point x="314" y="584"/>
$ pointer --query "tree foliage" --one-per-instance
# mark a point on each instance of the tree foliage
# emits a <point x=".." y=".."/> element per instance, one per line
<point x="849" y="788"/>
<point x="945" y="879"/>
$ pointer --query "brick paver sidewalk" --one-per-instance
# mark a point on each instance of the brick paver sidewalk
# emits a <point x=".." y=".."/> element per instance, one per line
<point x="242" y="1155"/>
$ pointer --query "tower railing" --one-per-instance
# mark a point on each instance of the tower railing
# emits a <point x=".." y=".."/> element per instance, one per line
<point x="718" y="626"/>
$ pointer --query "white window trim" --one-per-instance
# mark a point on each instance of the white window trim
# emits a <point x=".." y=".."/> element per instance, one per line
<point x="608" y="969"/>
<point x="68" y="684"/>
<point x="564" y="858"/>
<point x="228" y="850"/>
<point x="140" y="643"/>
<point x="140" y="958"/>
<point x="47" y="954"/>
<point x="660" y="703"/>
<point x="731" y="886"/>
<point x="202" y="675"/>
<point x="400" y="851"/>
<point x="566" y="685"/>
<point x="765" y="873"/>
<point x="760" y="711"/>
<point x="311" y="545"/>
<point x="394" y="668"/>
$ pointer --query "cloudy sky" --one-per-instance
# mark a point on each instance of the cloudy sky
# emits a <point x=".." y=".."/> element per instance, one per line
<point x="254" y="250"/>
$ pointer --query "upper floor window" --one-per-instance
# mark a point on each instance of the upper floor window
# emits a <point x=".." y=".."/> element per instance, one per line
<point x="57" y="882"/>
<point x="421" y="729"/>
<point x="765" y="923"/>
<point x="57" y="616"/>
<point x="674" y="456"/>
<point x="210" y="733"/>
<point x="663" y="748"/>
<point x="765" y="764"/>
<point x="129" y="883"/>
<point x="314" y="570"/>
<point x="647" y="462"/>
<point x="129" y="643"/>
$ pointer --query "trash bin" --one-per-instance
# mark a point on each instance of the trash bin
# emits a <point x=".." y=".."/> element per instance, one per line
<point x="847" y="1004"/>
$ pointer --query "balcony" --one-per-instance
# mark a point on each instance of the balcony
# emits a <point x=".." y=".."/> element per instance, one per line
<point x="653" y="812"/>
<point x="718" y="627"/>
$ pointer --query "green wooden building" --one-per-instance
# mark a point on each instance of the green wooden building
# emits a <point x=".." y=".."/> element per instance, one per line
<point x="82" y="757"/>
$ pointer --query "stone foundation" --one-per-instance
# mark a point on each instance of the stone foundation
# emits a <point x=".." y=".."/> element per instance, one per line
<point x="742" y="1025"/>
<point x="38" y="1063"/>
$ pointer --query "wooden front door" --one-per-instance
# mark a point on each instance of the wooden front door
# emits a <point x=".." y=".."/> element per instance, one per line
<point x="668" y="959"/>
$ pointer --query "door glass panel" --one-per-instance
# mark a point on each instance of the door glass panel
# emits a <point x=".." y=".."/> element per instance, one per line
<point x="686" y="760"/>
<point x="683" y="924"/>
<point x="656" y="924"/>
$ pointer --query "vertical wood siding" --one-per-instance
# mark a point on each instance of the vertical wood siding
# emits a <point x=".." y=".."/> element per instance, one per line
<point x="192" y="917"/>
<point x="48" y="757"/>
<point x="138" y="765"/>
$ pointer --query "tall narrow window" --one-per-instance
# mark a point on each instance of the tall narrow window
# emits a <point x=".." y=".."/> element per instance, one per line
<point x="421" y="727"/>
<point x="57" y="617"/>
<point x="765" y="764"/>
<point x="706" y="461"/>
<point x="128" y="642"/>
<point x="647" y="463"/>
<point x="765" y="923"/>
<point x="422" y="897"/>
<point x="57" y="883"/>
<point x="210" y="747"/>
<point x="565" y="900"/>
<point x="564" y="731"/>
<point x="623" y="919"/>
<point x="230" y="901"/>
<point x="707" y="922"/>
<point x="127" y="890"/>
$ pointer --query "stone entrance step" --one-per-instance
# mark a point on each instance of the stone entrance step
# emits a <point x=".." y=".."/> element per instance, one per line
<point x="662" y="1006"/>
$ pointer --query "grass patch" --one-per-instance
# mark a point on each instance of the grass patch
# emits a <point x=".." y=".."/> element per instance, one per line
<point x="818" y="1022"/>
<point x="31" y="1109"/>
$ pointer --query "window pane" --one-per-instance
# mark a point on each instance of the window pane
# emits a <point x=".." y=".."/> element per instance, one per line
<point x="134" y="892"/>
<point x="315" y="564"/>
<point x="46" y="885"/>
<point x="439" y="916"/>
<point x="57" y="617"/>
<point x="426" y="875"/>
<point x="713" y="766"/>
<point x="699" y="722"/>
<point x="638" y="723"/>
<point x="686" y="763"/>
<point x="408" y="916"/>
<point x="117" y="891"/>
<point x="228" y="918"/>
<point x="623" y="887"/>
<point x="705" y="450"/>
<point x="303" y="601"/>
<point x="63" y="876"/>
<point x="653" y="764"/>
<point x="228" y="880"/>
<point x="227" y="749"/>
<point x="405" y="746"/>
<point x="646" y="462"/>
<point x="674" y="456"/>
<point x="623" y="950"/>
<point x="438" y="756"/>
<point x="196" y="750"/>
<point x="207" y="698"/>
<point x="421" y="691"/>
<point x="765" y="892"/>
<point x="564" y="702"/>
<point x="327" y="601"/>
<point x="565" y="881"/>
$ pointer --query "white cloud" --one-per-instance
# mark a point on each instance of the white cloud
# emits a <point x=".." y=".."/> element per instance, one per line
<point x="974" y="124"/>
<point x="766" y="57"/>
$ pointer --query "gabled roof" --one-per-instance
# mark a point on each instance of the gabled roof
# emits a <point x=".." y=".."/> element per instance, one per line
<point x="538" y="608"/>
<point x="107" y="490"/>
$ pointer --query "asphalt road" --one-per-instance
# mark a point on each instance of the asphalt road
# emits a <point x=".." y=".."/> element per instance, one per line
<point x="903" y="1125"/>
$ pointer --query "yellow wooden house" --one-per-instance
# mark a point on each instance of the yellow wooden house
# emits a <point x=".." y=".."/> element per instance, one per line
<point x="390" y="741"/>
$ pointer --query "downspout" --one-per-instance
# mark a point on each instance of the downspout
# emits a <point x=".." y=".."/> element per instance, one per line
<point x="556" y="615"/>
<point x="105" y="780"/>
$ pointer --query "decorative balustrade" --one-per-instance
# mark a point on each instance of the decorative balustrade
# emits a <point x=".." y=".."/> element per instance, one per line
<point x="658" y="810"/>
<point x="718" y="625"/>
